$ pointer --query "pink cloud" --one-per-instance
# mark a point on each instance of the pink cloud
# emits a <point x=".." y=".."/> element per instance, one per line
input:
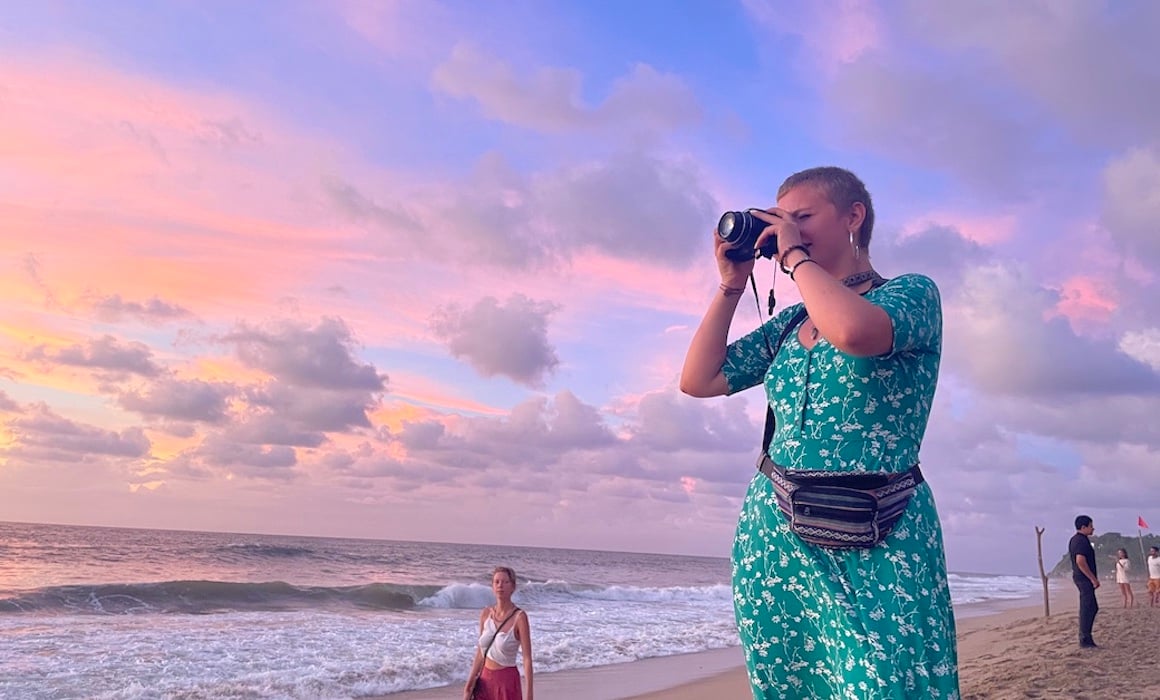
<point x="985" y="230"/>
<point x="835" y="33"/>
<point x="689" y="485"/>
<point x="1085" y="300"/>
<point x="396" y="27"/>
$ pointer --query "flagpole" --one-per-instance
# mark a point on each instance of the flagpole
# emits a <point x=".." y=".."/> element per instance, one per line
<point x="1140" y="527"/>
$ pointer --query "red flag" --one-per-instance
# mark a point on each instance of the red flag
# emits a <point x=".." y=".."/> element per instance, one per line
<point x="1140" y="522"/>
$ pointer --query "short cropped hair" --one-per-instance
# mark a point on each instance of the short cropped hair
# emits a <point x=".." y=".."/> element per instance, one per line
<point x="1082" y="521"/>
<point x="842" y="188"/>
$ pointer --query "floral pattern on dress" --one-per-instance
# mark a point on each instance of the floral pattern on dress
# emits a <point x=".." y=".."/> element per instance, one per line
<point x="860" y="623"/>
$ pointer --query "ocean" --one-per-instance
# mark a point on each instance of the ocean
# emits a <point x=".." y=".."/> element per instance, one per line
<point x="111" y="613"/>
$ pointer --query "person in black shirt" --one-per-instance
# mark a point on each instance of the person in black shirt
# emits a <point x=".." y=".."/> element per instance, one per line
<point x="1083" y="573"/>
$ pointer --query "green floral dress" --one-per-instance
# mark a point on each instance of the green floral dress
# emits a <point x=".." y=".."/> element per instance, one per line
<point x="861" y="623"/>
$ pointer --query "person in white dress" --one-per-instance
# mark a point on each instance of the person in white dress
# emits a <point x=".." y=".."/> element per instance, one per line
<point x="1123" y="566"/>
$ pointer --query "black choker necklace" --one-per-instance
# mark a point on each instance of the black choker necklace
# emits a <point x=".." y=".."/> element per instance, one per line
<point x="853" y="280"/>
<point x="861" y="277"/>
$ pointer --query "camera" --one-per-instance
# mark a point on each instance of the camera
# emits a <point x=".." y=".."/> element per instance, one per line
<point x="741" y="229"/>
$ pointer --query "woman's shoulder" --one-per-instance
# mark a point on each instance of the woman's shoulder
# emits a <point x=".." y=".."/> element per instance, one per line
<point x="914" y="286"/>
<point x="912" y="280"/>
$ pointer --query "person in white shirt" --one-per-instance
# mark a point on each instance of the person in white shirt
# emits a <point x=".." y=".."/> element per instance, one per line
<point x="1123" y="566"/>
<point x="1154" y="575"/>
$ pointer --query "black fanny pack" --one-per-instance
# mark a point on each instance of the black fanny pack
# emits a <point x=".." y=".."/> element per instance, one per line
<point x="841" y="511"/>
<point x="835" y="510"/>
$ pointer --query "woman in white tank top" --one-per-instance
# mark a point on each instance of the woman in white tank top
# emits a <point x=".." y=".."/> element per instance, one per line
<point x="1123" y="566"/>
<point x="503" y="631"/>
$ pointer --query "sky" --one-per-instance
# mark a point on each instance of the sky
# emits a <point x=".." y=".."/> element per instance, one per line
<point x="425" y="270"/>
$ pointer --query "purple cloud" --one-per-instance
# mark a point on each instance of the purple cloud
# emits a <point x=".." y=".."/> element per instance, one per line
<point x="113" y="309"/>
<point x="105" y="353"/>
<point x="500" y="339"/>
<point x="321" y="356"/>
<point x="43" y="434"/>
<point x="183" y="400"/>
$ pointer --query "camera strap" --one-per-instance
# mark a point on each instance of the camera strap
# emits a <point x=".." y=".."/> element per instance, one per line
<point x="771" y="422"/>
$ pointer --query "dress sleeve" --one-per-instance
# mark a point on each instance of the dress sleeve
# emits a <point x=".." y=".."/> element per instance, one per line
<point x="915" y="309"/>
<point x="747" y="359"/>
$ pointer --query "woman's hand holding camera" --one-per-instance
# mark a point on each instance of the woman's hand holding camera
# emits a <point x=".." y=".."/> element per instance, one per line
<point x="782" y="228"/>
<point x="733" y="272"/>
<point x="781" y="233"/>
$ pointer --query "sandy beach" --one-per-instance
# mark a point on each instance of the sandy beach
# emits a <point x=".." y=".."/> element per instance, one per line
<point x="1018" y="653"/>
<point x="1035" y="657"/>
<point x="1010" y="653"/>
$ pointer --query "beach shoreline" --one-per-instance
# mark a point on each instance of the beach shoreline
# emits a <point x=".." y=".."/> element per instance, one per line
<point x="1030" y="643"/>
<point x="1020" y="653"/>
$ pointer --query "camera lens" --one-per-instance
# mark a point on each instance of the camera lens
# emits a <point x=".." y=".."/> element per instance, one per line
<point x="740" y="229"/>
<point x="727" y="226"/>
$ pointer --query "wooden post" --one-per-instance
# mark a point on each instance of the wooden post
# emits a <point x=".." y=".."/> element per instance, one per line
<point x="1143" y="556"/>
<point x="1042" y="573"/>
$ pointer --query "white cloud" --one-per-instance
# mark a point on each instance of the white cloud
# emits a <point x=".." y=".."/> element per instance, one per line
<point x="1143" y="346"/>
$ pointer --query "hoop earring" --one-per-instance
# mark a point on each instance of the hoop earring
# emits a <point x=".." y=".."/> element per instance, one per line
<point x="855" y="247"/>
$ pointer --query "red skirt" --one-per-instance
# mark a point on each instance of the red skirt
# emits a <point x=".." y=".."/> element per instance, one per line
<point x="499" y="684"/>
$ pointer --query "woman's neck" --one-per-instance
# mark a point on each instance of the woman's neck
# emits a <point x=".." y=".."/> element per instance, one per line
<point x="851" y="266"/>
<point x="848" y="267"/>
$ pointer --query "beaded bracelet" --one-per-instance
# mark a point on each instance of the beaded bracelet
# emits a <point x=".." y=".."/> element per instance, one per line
<point x="798" y="264"/>
<point x="785" y="254"/>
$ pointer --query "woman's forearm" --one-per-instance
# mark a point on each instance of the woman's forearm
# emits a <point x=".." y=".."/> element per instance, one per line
<point x="844" y="317"/>
<point x="476" y="665"/>
<point x="701" y="375"/>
